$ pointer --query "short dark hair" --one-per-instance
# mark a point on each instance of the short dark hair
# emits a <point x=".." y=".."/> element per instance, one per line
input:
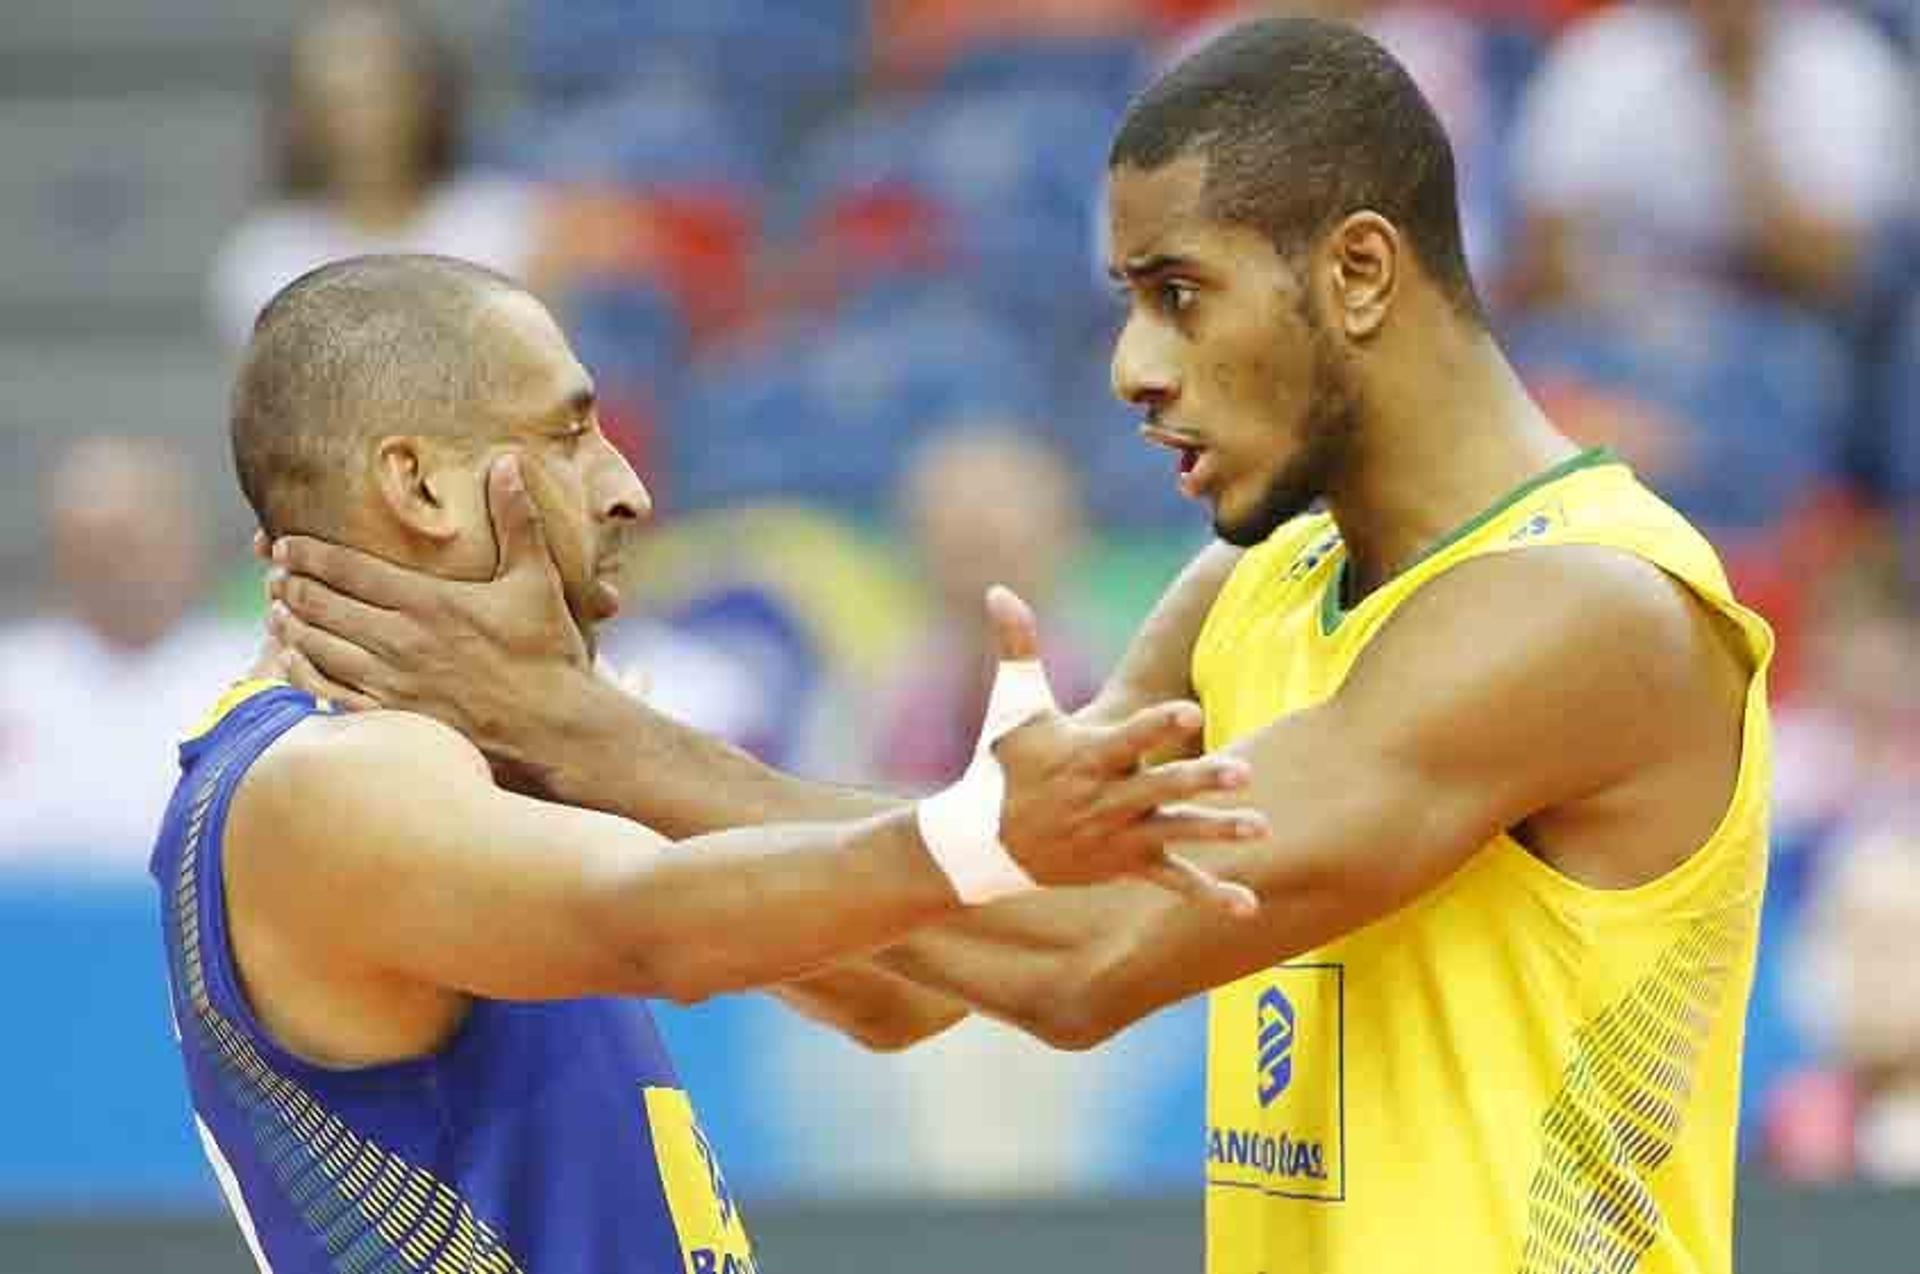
<point x="293" y="163"/>
<point x="369" y="344"/>
<point x="1303" y="122"/>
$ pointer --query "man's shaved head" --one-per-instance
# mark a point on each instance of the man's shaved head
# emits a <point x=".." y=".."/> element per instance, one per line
<point x="348" y="352"/>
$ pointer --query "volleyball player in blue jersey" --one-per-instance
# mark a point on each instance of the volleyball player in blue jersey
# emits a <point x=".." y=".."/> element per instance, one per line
<point x="405" y="992"/>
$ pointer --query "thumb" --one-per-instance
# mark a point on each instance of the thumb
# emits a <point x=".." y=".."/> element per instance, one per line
<point x="1016" y="634"/>
<point x="516" y="522"/>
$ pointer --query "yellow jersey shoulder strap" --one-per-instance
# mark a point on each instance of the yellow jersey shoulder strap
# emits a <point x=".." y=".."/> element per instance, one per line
<point x="1592" y="499"/>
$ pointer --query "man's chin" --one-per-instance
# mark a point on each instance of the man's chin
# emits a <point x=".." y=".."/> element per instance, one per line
<point x="1249" y="522"/>
<point x="1241" y="534"/>
<point x="1252" y="527"/>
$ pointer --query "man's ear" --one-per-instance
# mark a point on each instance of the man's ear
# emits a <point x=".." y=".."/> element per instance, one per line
<point x="1365" y="260"/>
<point x="412" y="488"/>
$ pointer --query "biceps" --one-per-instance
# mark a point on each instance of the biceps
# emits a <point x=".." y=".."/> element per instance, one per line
<point x="505" y="901"/>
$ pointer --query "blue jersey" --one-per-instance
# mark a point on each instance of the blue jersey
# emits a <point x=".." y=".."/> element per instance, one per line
<point x="551" y="1138"/>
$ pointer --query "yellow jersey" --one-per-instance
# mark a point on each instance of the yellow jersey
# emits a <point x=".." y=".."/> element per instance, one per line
<point x="1514" y="1072"/>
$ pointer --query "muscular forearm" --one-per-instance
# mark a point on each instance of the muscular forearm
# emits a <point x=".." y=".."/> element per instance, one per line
<point x="757" y="906"/>
<point x="612" y="752"/>
<point x="882" y="1010"/>
<point x="1032" y="962"/>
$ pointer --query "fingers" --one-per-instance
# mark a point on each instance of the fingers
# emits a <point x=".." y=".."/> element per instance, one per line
<point x="516" y="521"/>
<point x="369" y="627"/>
<point x="322" y="658"/>
<point x="354" y="573"/>
<point x="297" y="669"/>
<point x="1175" y="782"/>
<point x="1016" y="634"/>
<point x="1194" y="823"/>
<point x="1146" y="732"/>
<point x="1181" y="875"/>
<point x="262" y="546"/>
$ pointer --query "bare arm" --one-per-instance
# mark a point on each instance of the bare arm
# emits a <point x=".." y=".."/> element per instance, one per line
<point x="616" y="753"/>
<point x="483" y="891"/>
<point x="1568" y="671"/>
<point x="503" y="665"/>
<point x="486" y="892"/>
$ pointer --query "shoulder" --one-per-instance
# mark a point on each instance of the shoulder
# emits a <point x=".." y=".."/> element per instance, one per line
<point x="329" y="768"/>
<point x="1583" y="661"/>
<point x="1574" y="603"/>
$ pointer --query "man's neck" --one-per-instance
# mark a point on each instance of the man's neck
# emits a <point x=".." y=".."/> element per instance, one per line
<point x="1444" y="444"/>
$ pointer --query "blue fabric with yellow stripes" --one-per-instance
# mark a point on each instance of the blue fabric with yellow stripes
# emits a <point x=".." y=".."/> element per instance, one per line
<point x="542" y="1137"/>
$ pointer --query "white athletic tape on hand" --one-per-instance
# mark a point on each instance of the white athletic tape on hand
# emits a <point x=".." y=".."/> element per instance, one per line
<point x="961" y="825"/>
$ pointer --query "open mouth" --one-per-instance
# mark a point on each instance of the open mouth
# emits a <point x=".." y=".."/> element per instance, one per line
<point x="1190" y="457"/>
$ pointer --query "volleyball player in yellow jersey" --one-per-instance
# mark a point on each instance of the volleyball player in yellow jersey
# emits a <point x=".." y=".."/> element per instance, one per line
<point x="1507" y="722"/>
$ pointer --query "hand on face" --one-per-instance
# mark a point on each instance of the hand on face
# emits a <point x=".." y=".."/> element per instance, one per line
<point x="494" y="659"/>
<point x="1079" y="806"/>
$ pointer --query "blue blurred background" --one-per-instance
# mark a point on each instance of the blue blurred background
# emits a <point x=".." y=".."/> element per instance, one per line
<point x="836" y="265"/>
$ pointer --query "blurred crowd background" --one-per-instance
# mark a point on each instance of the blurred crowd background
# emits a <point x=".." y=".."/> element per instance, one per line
<point x="837" y="266"/>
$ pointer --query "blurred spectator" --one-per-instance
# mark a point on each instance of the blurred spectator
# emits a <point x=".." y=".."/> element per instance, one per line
<point x="365" y="127"/>
<point x="986" y="505"/>
<point x="1861" y="1117"/>
<point x="94" y="696"/>
<point x="1849" y="745"/>
<point x="1848" y="862"/>
<point x="1757" y="144"/>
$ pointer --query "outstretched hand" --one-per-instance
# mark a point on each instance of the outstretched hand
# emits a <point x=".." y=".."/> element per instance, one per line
<point x="1082" y="804"/>
<point x="486" y="657"/>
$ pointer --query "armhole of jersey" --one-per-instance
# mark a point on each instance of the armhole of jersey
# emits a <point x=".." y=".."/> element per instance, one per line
<point x="1748" y="799"/>
<point x="220" y="971"/>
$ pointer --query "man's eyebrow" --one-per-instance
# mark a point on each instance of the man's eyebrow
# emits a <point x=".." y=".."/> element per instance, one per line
<point x="579" y="402"/>
<point x="1146" y="267"/>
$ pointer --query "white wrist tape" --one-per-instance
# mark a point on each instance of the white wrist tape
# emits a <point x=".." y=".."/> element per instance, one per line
<point x="961" y="825"/>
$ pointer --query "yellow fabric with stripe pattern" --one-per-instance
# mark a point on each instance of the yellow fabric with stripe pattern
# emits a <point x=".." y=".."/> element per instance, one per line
<point x="1515" y="1072"/>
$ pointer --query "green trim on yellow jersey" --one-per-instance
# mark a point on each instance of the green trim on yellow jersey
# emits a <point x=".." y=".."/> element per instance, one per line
<point x="1333" y="607"/>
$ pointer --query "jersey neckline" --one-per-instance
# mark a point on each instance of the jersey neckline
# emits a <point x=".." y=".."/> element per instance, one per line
<point x="231" y="699"/>
<point x="1333" y="609"/>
